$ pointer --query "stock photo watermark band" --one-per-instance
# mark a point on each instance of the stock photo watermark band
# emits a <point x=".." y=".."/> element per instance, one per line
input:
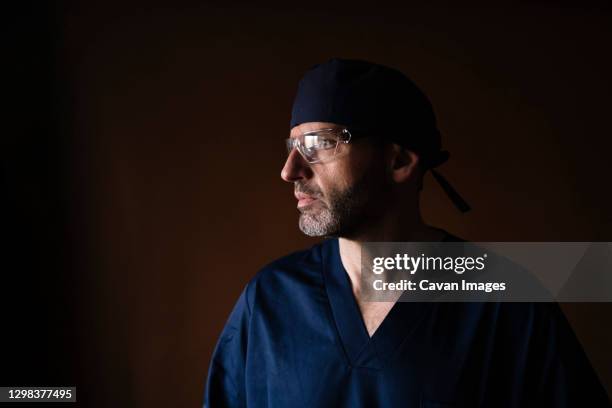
<point x="487" y="271"/>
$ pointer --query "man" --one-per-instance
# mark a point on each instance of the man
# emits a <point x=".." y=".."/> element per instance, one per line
<point x="362" y="137"/>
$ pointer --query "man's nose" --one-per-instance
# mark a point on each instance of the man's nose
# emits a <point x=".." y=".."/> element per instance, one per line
<point x="296" y="167"/>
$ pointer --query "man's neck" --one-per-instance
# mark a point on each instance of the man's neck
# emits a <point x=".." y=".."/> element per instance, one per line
<point x="373" y="313"/>
<point x="350" y="248"/>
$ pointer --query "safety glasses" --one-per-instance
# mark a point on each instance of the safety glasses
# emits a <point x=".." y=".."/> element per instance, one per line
<point x="319" y="146"/>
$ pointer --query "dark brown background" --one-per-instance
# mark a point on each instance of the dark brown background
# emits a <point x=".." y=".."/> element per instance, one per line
<point x="145" y="148"/>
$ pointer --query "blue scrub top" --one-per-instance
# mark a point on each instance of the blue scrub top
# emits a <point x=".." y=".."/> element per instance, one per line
<point x="296" y="338"/>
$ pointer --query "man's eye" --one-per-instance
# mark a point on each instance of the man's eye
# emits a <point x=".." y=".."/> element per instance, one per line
<point x="324" y="143"/>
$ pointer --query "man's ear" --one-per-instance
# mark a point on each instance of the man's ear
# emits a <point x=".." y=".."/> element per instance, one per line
<point x="404" y="164"/>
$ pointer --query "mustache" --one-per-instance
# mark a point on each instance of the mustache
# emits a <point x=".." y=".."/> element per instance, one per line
<point x="301" y="187"/>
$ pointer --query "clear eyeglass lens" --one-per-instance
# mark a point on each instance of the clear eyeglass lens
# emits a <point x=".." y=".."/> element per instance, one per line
<point x="316" y="146"/>
<point x="290" y="144"/>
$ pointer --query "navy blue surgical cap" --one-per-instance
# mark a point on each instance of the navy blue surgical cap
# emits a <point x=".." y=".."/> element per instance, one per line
<point x="377" y="101"/>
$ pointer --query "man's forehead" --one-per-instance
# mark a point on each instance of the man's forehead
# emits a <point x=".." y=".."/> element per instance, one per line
<point x="311" y="126"/>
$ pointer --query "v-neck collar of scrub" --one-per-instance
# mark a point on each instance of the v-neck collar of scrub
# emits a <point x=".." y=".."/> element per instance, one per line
<point x="361" y="349"/>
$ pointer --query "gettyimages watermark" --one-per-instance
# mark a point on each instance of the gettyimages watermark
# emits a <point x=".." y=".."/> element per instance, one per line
<point x="487" y="271"/>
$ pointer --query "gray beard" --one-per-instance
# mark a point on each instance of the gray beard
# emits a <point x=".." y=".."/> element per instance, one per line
<point x="342" y="216"/>
<point x="323" y="221"/>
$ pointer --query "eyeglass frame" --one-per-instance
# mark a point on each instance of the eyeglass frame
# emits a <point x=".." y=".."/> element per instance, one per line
<point x="294" y="142"/>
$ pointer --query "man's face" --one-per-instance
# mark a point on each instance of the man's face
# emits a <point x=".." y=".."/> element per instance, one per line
<point x="336" y="197"/>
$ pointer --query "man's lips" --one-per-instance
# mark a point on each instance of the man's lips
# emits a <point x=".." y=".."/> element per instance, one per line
<point x="304" y="199"/>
